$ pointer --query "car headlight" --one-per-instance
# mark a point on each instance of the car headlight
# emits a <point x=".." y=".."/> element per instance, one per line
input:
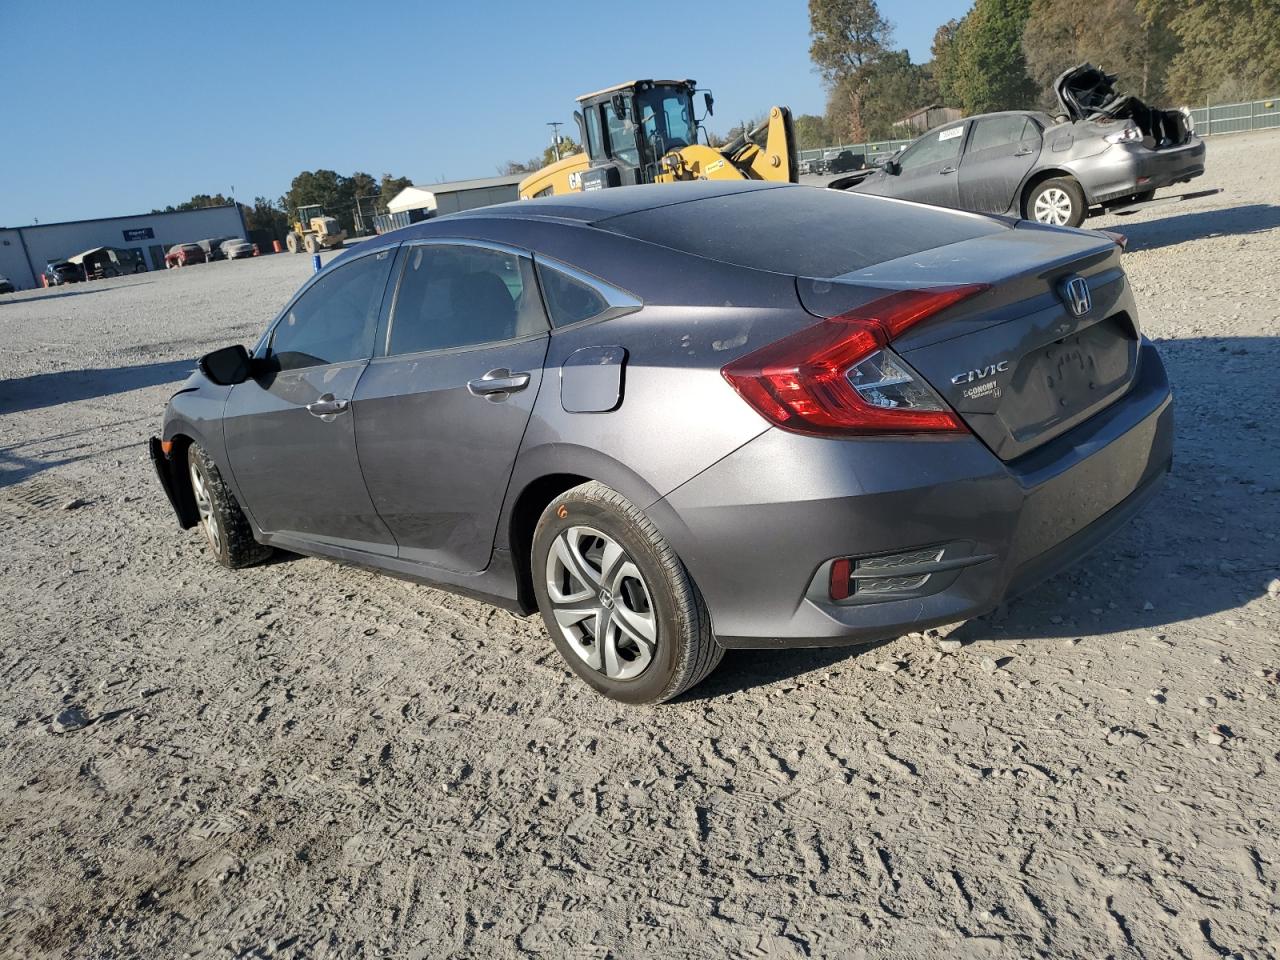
<point x="1127" y="135"/>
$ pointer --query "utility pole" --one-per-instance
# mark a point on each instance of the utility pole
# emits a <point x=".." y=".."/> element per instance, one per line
<point x="555" y="126"/>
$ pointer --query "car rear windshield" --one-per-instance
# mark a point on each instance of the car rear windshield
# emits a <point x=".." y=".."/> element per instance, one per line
<point x="804" y="231"/>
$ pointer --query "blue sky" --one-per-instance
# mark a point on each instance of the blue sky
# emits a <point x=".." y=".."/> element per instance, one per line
<point x="121" y="107"/>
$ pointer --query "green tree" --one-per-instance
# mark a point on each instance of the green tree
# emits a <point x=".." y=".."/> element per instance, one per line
<point x="991" y="72"/>
<point x="1116" y="35"/>
<point x="946" y="61"/>
<point x="388" y="187"/>
<point x="1229" y="49"/>
<point x="811" y="132"/>
<point x="847" y="36"/>
<point x="866" y="104"/>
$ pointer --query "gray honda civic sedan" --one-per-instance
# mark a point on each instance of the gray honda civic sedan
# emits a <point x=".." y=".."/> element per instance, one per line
<point x="686" y="418"/>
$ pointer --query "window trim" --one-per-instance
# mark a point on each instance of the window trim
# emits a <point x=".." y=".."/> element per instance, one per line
<point x="621" y="302"/>
<point x="259" y="349"/>
<point x="382" y="341"/>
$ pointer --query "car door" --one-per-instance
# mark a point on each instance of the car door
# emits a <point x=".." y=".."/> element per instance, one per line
<point x="290" y="430"/>
<point x="926" y="171"/>
<point x="442" y="409"/>
<point x="1000" y="152"/>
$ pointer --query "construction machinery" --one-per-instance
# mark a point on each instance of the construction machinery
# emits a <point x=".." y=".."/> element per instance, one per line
<point x="646" y="131"/>
<point x="312" y="231"/>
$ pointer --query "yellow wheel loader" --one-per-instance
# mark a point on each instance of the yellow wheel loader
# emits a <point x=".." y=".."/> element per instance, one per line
<point x="312" y="231"/>
<point x="646" y="131"/>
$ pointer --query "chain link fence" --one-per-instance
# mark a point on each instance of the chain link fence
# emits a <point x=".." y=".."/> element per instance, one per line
<point x="1214" y="119"/>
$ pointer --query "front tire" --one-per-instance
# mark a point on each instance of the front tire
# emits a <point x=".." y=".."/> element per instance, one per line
<point x="1058" y="202"/>
<point x="620" y="606"/>
<point x="225" y="527"/>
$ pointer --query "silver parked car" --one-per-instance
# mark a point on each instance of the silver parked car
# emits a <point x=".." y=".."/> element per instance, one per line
<point x="236" y="247"/>
<point x="1105" y="151"/>
<point x="679" y="419"/>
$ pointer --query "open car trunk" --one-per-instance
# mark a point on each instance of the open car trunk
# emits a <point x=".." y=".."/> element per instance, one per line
<point x="1087" y="93"/>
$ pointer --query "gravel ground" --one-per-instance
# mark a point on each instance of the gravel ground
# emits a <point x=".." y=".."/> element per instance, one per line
<point x="309" y="760"/>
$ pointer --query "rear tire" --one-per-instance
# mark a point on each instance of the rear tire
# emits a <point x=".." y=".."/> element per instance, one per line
<point x="225" y="527"/>
<point x="1058" y="202"/>
<point x="291" y="241"/>
<point x="620" y="606"/>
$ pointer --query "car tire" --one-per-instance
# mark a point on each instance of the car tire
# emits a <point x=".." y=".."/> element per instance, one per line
<point x="596" y="555"/>
<point x="1058" y="202"/>
<point x="225" y="527"/>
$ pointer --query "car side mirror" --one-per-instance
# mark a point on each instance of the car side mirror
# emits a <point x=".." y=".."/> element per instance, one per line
<point x="892" y="167"/>
<point x="227" y="366"/>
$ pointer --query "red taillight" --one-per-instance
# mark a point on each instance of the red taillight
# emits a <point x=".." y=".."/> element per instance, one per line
<point x="822" y="379"/>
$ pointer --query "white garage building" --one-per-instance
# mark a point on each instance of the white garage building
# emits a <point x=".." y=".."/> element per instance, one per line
<point x="25" y="251"/>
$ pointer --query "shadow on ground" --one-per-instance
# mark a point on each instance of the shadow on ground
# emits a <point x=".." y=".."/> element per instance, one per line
<point x="59" y="293"/>
<point x="69" y="386"/>
<point x="1229" y="221"/>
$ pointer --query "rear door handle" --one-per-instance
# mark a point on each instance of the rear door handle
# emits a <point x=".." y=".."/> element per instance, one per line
<point x="327" y="407"/>
<point x="496" y="384"/>
<point x="1023" y="153"/>
<point x="947" y="170"/>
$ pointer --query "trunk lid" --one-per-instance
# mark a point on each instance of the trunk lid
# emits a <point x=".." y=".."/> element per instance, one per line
<point x="1015" y="362"/>
<point x="1084" y="90"/>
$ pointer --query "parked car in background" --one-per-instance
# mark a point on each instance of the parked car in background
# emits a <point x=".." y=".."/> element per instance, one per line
<point x="236" y="248"/>
<point x="6" y="285"/>
<point x="816" y="166"/>
<point x="58" y="272"/>
<point x="212" y="247"/>
<point x="871" y="439"/>
<point x="846" y="161"/>
<point x="1106" y="151"/>
<point x="184" y="254"/>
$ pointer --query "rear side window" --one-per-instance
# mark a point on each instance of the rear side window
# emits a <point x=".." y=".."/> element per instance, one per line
<point x="802" y="231"/>
<point x="335" y="320"/>
<point x="454" y="295"/>
<point x="993" y="132"/>
<point x="569" y="300"/>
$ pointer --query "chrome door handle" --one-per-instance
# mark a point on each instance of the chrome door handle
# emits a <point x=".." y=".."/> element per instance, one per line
<point x="327" y="407"/>
<point x="498" y="383"/>
<point x="1023" y="153"/>
<point x="947" y="170"/>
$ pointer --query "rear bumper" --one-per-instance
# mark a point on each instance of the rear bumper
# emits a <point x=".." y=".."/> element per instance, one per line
<point x="169" y="472"/>
<point x="759" y="530"/>
<point x="1126" y="169"/>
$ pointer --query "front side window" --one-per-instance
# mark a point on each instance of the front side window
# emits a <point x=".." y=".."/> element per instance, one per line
<point x="933" y="148"/>
<point x="992" y="132"/>
<point x="455" y="295"/>
<point x="335" y="320"/>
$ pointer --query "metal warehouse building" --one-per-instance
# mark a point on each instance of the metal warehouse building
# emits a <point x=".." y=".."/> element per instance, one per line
<point x="437" y="199"/>
<point x="25" y="251"/>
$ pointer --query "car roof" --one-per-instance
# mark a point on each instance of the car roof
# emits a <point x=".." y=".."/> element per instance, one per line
<point x="596" y="205"/>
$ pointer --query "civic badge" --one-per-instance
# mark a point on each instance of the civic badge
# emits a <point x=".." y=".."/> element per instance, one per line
<point x="1075" y="294"/>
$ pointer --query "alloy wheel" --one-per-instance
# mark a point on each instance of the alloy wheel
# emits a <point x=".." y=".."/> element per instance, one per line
<point x="1053" y="207"/>
<point x="204" y="505"/>
<point x="601" y="603"/>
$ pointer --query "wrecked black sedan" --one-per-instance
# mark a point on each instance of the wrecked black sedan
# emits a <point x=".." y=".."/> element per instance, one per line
<point x="1105" y="151"/>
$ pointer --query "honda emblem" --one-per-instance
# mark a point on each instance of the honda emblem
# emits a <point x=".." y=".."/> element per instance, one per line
<point x="1075" y="294"/>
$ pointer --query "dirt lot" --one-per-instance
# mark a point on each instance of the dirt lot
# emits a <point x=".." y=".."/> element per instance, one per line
<point x="309" y="760"/>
